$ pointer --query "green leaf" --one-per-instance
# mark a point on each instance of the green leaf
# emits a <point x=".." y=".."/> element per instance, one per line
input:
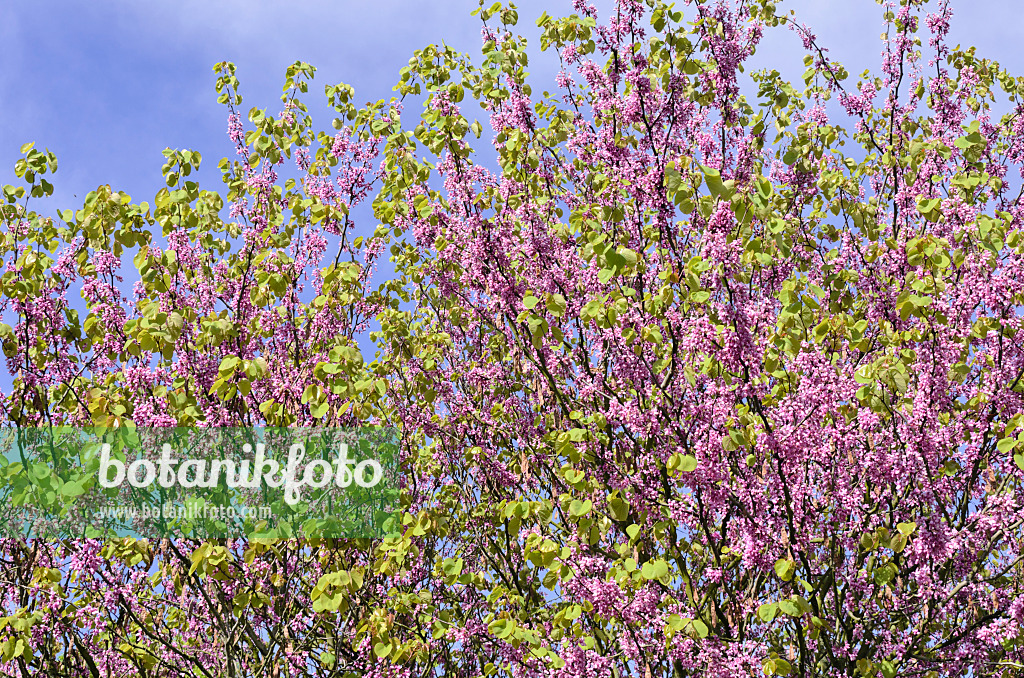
<point x="927" y="206"/>
<point x="556" y="305"/>
<point x="228" y="364"/>
<point x="768" y="612"/>
<point x="1006" y="444"/>
<point x="618" y="508"/>
<point x="530" y="301"/>
<point x="862" y="375"/>
<point x="452" y="566"/>
<point x="74" y="489"/>
<point x="615" y="260"/>
<point x="906" y="528"/>
<point x="713" y="179"/>
<point x="654" y="569"/>
<point x="683" y="462"/>
<point x="785" y="568"/>
<point x="692" y="627"/>
<point x="790" y="608"/>
<point x="501" y="628"/>
<point x="885" y="574"/>
<point x="898" y="542"/>
<point x="580" y="508"/>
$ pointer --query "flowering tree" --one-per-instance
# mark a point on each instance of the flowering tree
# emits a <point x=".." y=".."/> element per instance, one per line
<point x="684" y="387"/>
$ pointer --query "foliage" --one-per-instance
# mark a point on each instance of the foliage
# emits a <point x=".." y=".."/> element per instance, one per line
<point x="685" y="387"/>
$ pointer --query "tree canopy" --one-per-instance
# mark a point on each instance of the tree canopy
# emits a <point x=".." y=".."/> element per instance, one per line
<point x="697" y="371"/>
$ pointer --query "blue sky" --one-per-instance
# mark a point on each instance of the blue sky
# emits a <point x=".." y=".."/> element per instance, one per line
<point x="108" y="84"/>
